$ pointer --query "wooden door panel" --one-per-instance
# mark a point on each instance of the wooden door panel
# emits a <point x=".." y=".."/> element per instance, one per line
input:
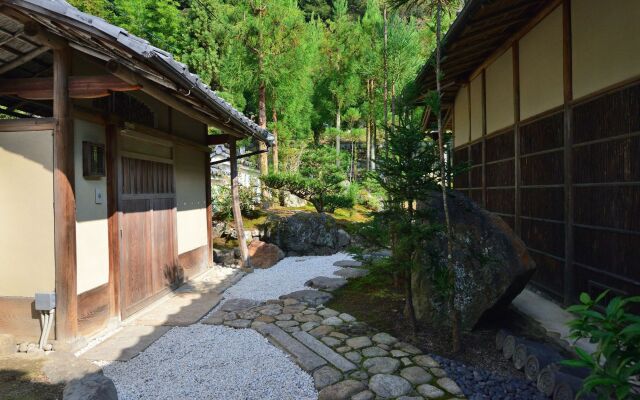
<point x="136" y="252"/>
<point x="165" y="267"/>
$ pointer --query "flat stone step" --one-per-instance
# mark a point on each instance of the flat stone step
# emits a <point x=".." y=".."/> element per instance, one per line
<point x="324" y="351"/>
<point x="305" y="358"/>
<point x="183" y="309"/>
<point x="125" y="344"/>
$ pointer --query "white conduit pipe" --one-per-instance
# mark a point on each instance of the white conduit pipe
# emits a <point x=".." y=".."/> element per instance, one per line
<point x="46" y="328"/>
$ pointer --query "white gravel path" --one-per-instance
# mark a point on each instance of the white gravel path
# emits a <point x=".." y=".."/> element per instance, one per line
<point x="285" y="277"/>
<point x="216" y="362"/>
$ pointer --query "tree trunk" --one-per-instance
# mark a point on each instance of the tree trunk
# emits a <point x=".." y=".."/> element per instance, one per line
<point x="455" y="314"/>
<point x="393" y="104"/>
<point x="384" y="83"/>
<point x="275" y="140"/>
<point x="368" y="128"/>
<point x="235" y="205"/>
<point x="262" y="121"/>
<point x="338" y="137"/>
<point x="374" y="128"/>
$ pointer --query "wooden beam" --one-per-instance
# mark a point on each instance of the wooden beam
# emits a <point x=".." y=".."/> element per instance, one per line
<point x="80" y="87"/>
<point x="27" y="124"/>
<point x="245" y="155"/>
<point x="213" y="140"/>
<point x="113" y="220"/>
<point x="16" y="62"/>
<point x="209" y="216"/>
<point x="11" y="37"/>
<point x="235" y="205"/>
<point x="38" y="33"/>
<point x="515" y="53"/>
<point x="64" y="202"/>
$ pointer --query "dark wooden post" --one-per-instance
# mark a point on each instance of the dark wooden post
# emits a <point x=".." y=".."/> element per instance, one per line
<point x="515" y="51"/>
<point x="207" y="178"/>
<point x="113" y="220"/>
<point x="235" y="204"/>
<point x="64" y="207"/>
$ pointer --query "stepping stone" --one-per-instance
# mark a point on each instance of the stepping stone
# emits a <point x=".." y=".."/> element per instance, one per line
<point x="291" y="302"/>
<point x="284" y="317"/>
<point x="307" y="318"/>
<point x="439" y="372"/>
<point x="287" y="324"/>
<point x="384" y="338"/>
<point x="238" y="304"/>
<point x="389" y="386"/>
<point x="450" y="386"/>
<point x="406" y="361"/>
<point x="359" y="375"/>
<point x="326" y="376"/>
<point x="271" y="310"/>
<point x="359" y="342"/>
<point x="305" y="358"/>
<point x="351" y="273"/>
<point x="249" y="314"/>
<point x="347" y="263"/>
<point x="291" y="329"/>
<point x="429" y="391"/>
<point x="216" y="318"/>
<point x="322" y="330"/>
<point x="125" y="344"/>
<point x="330" y="341"/>
<point x="374" y="351"/>
<point x="328" y="312"/>
<point x="339" y="335"/>
<point x="307" y="326"/>
<point x="346" y="317"/>
<point x="426" y="361"/>
<point x="398" y="353"/>
<point x="326" y="283"/>
<point x="312" y="297"/>
<point x="366" y="395"/>
<point x="416" y="375"/>
<point x="341" y="390"/>
<point x="293" y="309"/>
<point x="324" y="351"/>
<point x="343" y="349"/>
<point x="332" y="321"/>
<point x="406" y="347"/>
<point x="265" y="318"/>
<point x="353" y="356"/>
<point x="238" y="323"/>
<point x="410" y="398"/>
<point x="381" y="365"/>
<point x="181" y="309"/>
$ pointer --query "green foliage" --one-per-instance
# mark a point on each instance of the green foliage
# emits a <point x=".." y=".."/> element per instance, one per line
<point x="616" y="332"/>
<point x="319" y="181"/>
<point x="221" y="202"/>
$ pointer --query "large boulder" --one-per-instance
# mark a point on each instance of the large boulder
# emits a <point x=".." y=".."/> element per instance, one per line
<point x="492" y="265"/>
<point x="91" y="387"/>
<point x="264" y="255"/>
<point x="305" y="234"/>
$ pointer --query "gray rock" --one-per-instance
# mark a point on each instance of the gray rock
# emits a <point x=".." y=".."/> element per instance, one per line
<point x="346" y="317"/>
<point x="322" y="330"/>
<point x="238" y="323"/>
<point x="23" y="347"/>
<point x="341" y="390"/>
<point x="365" y="395"/>
<point x="426" y="361"/>
<point x="492" y="264"/>
<point x="284" y="317"/>
<point x="359" y="342"/>
<point x="374" y="351"/>
<point x="307" y="318"/>
<point x="249" y="314"/>
<point x="7" y="344"/>
<point x="339" y="335"/>
<point x="290" y="302"/>
<point x="407" y="348"/>
<point x="343" y="349"/>
<point x="330" y="341"/>
<point x="287" y="324"/>
<point x="326" y="376"/>
<point x="293" y="309"/>
<point x="450" y="386"/>
<point x="389" y="386"/>
<point x="353" y="356"/>
<point x="305" y="234"/>
<point x="307" y="326"/>
<point x="325" y="352"/>
<point x="429" y="391"/>
<point x="328" y="312"/>
<point x="416" y="375"/>
<point x="359" y="375"/>
<point x="398" y="353"/>
<point x="270" y="310"/>
<point x="348" y="263"/>
<point x="304" y="357"/>
<point x="384" y="338"/>
<point x="312" y="297"/>
<point x="439" y="372"/>
<point x="326" y="283"/>
<point x="410" y="398"/>
<point x="291" y="329"/>
<point x="332" y="321"/>
<point x="351" y="273"/>
<point x="406" y="361"/>
<point x="91" y="387"/>
<point x="381" y="365"/>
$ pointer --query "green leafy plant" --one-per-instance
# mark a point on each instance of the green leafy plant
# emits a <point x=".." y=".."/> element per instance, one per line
<point x="221" y="202"/>
<point x="616" y="332"/>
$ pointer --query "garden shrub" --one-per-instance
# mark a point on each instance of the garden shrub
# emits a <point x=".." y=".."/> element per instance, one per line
<point x="221" y="202"/>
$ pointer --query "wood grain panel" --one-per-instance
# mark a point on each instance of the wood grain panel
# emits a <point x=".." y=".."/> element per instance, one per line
<point x="19" y="318"/>
<point x="500" y="174"/>
<point x="500" y="146"/>
<point x="194" y="261"/>
<point x="549" y="274"/>
<point x="609" y="206"/>
<point x="542" y="134"/>
<point x="476" y="154"/>
<point x="611" y="252"/>
<point x="613" y="161"/>
<point x="544" y="203"/>
<point x="547" y="237"/>
<point x="93" y="310"/>
<point x="165" y="270"/>
<point x="501" y="200"/>
<point x="476" y="177"/>
<point x="543" y="169"/>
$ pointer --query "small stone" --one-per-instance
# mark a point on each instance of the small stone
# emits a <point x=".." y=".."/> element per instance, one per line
<point x="274" y="302"/>
<point x="22" y="347"/>
<point x="381" y="365"/>
<point x="426" y="361"/>
<point x="307" y="318"/>
<point x="31" y="346"/>
<point x="35" y="350"/>
<point x="326" y="376"/>
<point x="291" y="329"/>
<point x="328" y="312"/>
<point x="238" y="304"/>
<point x="374" y="351"/>
<point x="329" y="341"/>
<point x="384" y="346"/>
<point x="429" y="391"/>
<point x="250" y="314"/>
<point x="322" y="330"/>
<point x="266" y="319"/>
<point x="338" y="335"/>
<point x="346" y="317"/>
<point x="293" y="309"/>
<point x="307" y="326"/>
<point x="284" y="317"/>
<point x="398" y="353"/>
<point x="271" y="310"/>
<point x="407" y="348"/>
<point x="359" y="375"/>
<point x="287" y="324"/>
<point x="341" y="390"/>
<point x="439" y="372"/>
<point x="353" y="356"/>
<point x="48" y="347"/>
<point x="343" y="349"/>
<point x="359" y="342"/>
<point x="406" y="361"/>
<point x="290" y="302"/>
<point x="332" y="321"/>
<point x="257" y="324"/>
<point x="238" y="323"/>
<point x="313" y="297"/>
<point x="230" y="316"/>
<point x="416" y="375"/>
<point x="410" y="398"/>
<point x="365" y="395"/>
<point x="450" y="386"/>
<point x="350" y="273"/>
<point x="308" y="312"/>
<point x="384" y="338"/>
<point x="389" y="386"/>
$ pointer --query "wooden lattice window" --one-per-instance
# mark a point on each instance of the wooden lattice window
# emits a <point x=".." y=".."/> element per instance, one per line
<point x="93" y="160"/>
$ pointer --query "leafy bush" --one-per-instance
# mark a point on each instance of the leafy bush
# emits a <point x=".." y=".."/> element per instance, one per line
<point x="616" y="331"/>
<point x="221" y="202"/>
<point x="318" y="180"/>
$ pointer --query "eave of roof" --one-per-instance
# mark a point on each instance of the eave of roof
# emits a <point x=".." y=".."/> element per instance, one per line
<point x="65" y="14"/>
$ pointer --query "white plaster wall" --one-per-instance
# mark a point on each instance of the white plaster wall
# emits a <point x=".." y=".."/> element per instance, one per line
<point x="461" y="117"/>
<point x="27" y="263"/>
<point x="499" y="92"/>
<point x="92" y="230"/>
<point x="541" y="66"/>
<point x="605" y="43"/>
<point x="191" y="198"/>
<point x="475" y="102"/>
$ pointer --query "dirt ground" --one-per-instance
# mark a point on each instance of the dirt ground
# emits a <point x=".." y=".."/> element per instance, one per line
<point x="21" y="378"/>
<point x="381" y="306"/>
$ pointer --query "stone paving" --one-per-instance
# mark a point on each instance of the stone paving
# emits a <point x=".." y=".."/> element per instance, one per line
<point x="347" y="359"/>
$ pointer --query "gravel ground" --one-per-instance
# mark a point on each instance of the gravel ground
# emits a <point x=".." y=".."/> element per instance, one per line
<point x="210" y="362"/>
<point x="287" y="276"/>
<point x="479" y="384"/>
